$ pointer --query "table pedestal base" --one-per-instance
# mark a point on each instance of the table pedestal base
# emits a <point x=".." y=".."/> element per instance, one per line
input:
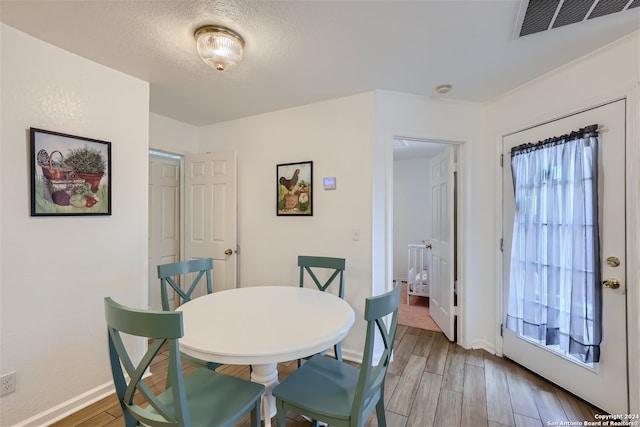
<point x="266" y="375"/>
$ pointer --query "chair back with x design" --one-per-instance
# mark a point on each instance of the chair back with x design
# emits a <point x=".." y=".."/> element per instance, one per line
<point x="371" y="379"/>
<point x="166" y="329"/>
<point x="167" y="273"/>
<point x="334" y="267"/>
<point x="338" y="393"/>
<point x="201" y="398"/>
<point x="310" y="264"/>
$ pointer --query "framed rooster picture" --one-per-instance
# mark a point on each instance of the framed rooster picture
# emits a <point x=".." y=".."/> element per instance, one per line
<point x="294" y="195"/>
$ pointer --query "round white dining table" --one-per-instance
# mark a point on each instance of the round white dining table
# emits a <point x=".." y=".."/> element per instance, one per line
<point x="262" y="326"/>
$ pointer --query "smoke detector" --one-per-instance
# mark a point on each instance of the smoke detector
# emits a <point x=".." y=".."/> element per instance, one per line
<point x="442" y="89"/>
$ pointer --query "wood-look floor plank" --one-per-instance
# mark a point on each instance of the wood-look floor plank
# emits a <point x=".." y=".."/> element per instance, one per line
<point x="240" y="371"/>
<point x="400" y="332"/>
<point x="438" y="354"/>
<point x="405" y="392"/>
<point x="575" y="409"/>
<point x="524" y="421"/>
<point x="81" y="416"/>
<point x="99" y="420"/>
<point x="115" y="410"/>
<point x="474" y="397"/>
<point x="453" y="375"/>
<point x="390" y="385"/>
<point x="475" y="357"/>
<point x="425" y="403"/>
<point x="520" y="390"/>
<point x="449" y="409"/>
<point x="537" y="382"/>
<point x="401" y="354"/>
<point x="498" y="399"/>
<point x="392" y="419"/>
<point x="414" y="331"/>
<point x="549" y="407"/>
<point x="119" y="422"/>
<point x="424" y="344"/>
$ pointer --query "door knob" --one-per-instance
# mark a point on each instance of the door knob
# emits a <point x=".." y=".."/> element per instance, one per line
<point x="228" y="252"/>
<point x="611" y="283"/>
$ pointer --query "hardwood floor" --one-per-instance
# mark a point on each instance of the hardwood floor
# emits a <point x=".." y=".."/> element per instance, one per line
<point x="431" y="382"/>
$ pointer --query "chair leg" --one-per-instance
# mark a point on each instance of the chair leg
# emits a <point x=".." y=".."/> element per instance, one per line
<point x="129" y="420"/>
<point x="338" y="350"/>
<point x="281" y="414"/>
<point x="255" y="414"/>
<point x="213" y="366"/>
<point x="382" y="419"/>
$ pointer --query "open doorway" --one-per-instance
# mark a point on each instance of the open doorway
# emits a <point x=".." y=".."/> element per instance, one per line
<point x="424" y="232"/>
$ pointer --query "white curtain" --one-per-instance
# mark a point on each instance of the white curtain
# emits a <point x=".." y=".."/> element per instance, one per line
<point x="554" y="287"/>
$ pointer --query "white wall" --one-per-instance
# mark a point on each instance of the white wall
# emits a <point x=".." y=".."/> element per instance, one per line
<point x="336" y="136"/>
<point x="172" y="136"/>
<point x="602" y="76"/>
<point x="431" y="119"/>
<point x="411" y="209"/>
<point x="55" y="271"/>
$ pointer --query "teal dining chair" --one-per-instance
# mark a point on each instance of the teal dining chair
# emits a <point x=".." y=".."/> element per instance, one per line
<point x="172" y="276"/>
<point x="327" y="390"/>
<point x="332" y="268"/>
<point x="167" y="273"/>
<point x="201" y="398"/>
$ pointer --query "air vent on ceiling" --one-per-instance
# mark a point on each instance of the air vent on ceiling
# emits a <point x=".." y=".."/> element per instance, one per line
<point x="542" y="15"/>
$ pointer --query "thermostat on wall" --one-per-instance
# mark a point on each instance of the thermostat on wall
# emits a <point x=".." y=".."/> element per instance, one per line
<point x="329" y="183"/>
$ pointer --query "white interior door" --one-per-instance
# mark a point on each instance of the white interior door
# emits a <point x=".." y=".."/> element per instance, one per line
<point x="441" y="302"/>
<point x="605" y="384"/>
<point x="210" y="213"/>
<point x="164" y="222"/>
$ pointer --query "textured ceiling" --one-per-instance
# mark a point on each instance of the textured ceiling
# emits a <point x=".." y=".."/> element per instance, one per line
<point x="300" y="52"/>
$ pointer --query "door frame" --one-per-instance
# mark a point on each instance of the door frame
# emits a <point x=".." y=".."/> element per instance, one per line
<point x="632" y="209"/>
<point x="180" y="158"/>
<point x="461" y="219"/>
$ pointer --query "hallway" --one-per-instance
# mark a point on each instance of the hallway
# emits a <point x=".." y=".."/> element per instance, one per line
<point x="416" y="312"/>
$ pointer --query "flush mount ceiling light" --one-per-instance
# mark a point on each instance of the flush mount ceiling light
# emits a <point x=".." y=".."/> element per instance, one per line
<point x="219" y="47"/>
<point x="443" y="89"/>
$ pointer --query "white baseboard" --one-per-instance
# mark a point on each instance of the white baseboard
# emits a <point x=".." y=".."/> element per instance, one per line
<point x="481" y="344"/>
<point x="69" y="407"/>
<point x="350" y="355"/>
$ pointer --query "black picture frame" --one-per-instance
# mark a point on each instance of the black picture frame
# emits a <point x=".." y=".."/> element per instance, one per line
<point x="294" y="189"/>
<point x="70" y="175"/>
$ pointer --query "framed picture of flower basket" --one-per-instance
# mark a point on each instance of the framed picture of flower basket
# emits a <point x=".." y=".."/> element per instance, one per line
<point x="70" y="175"/>
<point x="294" y="184"/>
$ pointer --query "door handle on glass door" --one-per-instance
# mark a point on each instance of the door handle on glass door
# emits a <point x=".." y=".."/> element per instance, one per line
<point x="611" y="283"/>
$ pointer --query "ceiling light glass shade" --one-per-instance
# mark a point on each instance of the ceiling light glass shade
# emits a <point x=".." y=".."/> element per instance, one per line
<point x="219" y="47"/>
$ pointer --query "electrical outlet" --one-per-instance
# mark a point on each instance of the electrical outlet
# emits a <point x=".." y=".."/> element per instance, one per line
<point x="8" y="383"/>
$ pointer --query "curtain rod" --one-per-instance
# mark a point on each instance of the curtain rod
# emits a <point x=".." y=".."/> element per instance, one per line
<point x="587" y="131"/>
